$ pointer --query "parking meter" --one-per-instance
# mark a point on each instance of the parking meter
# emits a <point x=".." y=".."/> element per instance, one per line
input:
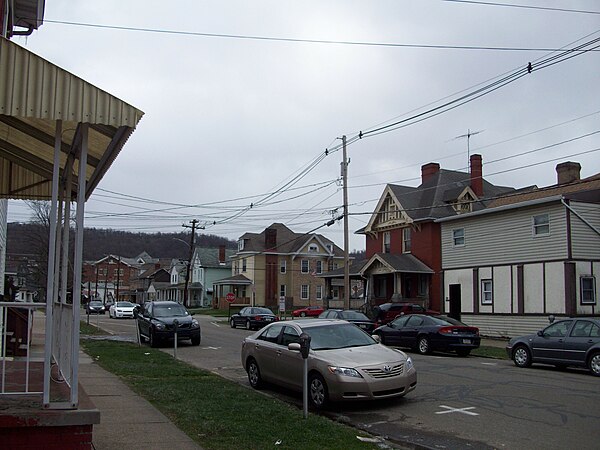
<point x="175" y="325"/>
<point x="304" y="345"/>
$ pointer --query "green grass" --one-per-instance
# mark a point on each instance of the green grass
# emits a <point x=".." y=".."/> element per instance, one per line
<point x="90" y="330"/>
<point x="218" y="413"/>
<point x="490" y="352"/>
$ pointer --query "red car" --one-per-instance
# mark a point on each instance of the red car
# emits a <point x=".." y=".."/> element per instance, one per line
<point x="308" y="311"/>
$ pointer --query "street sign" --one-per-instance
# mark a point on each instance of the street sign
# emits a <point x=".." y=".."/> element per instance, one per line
<point x="281" y="304"/>
<point x="230" y="297"/>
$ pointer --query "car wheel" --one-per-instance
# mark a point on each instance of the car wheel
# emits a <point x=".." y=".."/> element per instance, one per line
<point x="232" y="323"/>
<point x="248" y="327"/>
<point x="317" y="391"/>
<point x="302" y="314"/>
<point x="423" y="346"/>
<point x="521" y="356"/>
<point x="196" y="340"/>
<point x="463" y="351"/>
<point x="153" y="339"/>
<point x="594" y="364"/>
<point x="254" y="377"/>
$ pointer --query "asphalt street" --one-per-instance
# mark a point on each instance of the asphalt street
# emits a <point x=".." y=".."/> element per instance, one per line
<point x="459" y="403"/>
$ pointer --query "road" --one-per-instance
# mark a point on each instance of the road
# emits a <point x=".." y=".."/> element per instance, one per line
<point x="459" y="403"/>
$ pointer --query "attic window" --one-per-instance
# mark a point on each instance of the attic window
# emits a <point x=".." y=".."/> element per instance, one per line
<point x="390" y="210"/>
<point x="330" y="248"/>
<point x="464" y="203"/>
<point x="313" y="248"/>
<point x="240" y="245"/>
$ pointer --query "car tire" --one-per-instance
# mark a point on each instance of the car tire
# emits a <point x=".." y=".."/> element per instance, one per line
<point x="153" y="340"/>
<point x="423" y="345"/>
<point x="232" y="323"/>
<point x="594" y="364"/>
<point x="521" y="356"/>
<point x="248" y="326"/>
<point x="254" y="377"/>
<point x="196" y="340"/>
<point x="318" y="394"/>
<point x="302" y="314"/>
<point x="463" y="352"/>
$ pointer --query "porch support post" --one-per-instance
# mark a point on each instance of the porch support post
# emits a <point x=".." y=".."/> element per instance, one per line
<point x="51" y="264"/>
<point x="78" y="263"/>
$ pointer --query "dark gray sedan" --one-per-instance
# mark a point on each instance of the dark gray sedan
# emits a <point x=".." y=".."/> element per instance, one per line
<point x="570" y="342"/>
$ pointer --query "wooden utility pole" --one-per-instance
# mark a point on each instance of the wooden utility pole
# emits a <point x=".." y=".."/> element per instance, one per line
<point x="194" y="222"/>
<point x="346" y="254"/>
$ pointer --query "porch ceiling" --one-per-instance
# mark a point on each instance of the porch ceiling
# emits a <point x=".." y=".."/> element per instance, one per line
<point x="34" y="95"/>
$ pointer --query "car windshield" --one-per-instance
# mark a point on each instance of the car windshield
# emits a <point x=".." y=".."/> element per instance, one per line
<point x="353" y="315"/>
<point x="124" y="304"/>
<point x="169" y="311"/>
<point x="95" y="303"/>
<point x="340" y="335"/>
<point x="262" y="311"/>
<point x="443" y="320"/>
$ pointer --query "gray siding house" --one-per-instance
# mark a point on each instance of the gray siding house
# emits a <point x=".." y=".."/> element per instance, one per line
<point x="509" y="267"/>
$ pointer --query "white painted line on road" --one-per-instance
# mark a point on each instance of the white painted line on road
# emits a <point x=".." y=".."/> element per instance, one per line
<point x="210" y="348"/>
<point x="489" y="364"/>
<point x="215" y="324"/>
<point x="458" y="410"/>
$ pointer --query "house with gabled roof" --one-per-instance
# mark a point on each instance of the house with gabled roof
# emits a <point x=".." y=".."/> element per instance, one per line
<point x="403" y="239"/>
<point x="525" y="257"/>
<point x="280" y="263"/>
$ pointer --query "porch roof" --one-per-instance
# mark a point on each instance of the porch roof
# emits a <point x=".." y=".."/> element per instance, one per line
<point x="35" y="95"/>
<point x="406" y="263"/>
<point x="235" y="279"/>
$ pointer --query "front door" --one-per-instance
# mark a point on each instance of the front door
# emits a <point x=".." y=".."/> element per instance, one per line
<point x="455" y="301"/>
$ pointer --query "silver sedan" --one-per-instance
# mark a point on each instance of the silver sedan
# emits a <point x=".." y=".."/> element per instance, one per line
<point x="344" y="362"/>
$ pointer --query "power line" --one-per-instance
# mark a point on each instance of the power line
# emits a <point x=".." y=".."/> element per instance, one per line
<point x="513" y="5"/>
<point x="304" y="41"/>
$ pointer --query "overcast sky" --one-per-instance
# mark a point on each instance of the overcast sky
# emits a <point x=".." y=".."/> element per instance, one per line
<point x="229" y="120"/>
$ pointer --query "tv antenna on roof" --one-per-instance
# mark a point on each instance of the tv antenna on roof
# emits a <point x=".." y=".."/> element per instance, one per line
<point x="468" y="136"/>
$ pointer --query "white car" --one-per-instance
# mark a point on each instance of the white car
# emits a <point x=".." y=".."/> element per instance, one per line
<point x="121" y="309"/>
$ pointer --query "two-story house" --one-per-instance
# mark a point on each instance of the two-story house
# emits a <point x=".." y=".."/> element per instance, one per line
<point x="208" y="265"/>
<point x="403" y="239"/>
<point x="281" y="263"/>
<point x="508" y="267"/>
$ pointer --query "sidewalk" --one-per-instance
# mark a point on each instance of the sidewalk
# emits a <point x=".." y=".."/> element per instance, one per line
<point x="126" y="419"/>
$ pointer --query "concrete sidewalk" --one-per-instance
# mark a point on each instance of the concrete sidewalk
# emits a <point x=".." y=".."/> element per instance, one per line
<point x="126" y="419"/>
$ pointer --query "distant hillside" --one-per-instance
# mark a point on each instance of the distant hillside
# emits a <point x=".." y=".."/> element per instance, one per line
<point x="26" y="239"/>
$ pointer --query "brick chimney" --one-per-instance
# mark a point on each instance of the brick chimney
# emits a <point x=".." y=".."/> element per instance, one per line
<point x="477" y="175"/>
<point x="221" y="253"/>
<point x="428" y="171"/>
<point x="270" y="238"/>
<point x="568" y="172"/>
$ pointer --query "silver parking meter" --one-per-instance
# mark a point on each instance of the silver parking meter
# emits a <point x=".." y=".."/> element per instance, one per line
<point x="175" y="326"/>
<point x="304" y="350"/>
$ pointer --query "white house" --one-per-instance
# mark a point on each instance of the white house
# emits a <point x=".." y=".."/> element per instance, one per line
<point x="527" y="256"/>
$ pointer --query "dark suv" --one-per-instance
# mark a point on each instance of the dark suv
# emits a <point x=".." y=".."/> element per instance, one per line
<point x="387" y="312"/>
<point x="156" y="323"/>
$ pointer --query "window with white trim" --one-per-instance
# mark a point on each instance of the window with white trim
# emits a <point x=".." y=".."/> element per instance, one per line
<point x="406" y="235"/>
<point x="587" y="290"/>
<point x="313" y="248"/>
<point x="458" y="237"/>
<point x="319" y="268"/>
<point x="487" y="295"/>
<point x="244" y="267"/>
<point x="541" y="225"/>
<point x="319" y="292"/>
<point x="282" y="290"/>
<point x="304" y="292"/>
<point x="304" y="266"/>
<point x="387" y="239"/>
<point x="282" y="266"/>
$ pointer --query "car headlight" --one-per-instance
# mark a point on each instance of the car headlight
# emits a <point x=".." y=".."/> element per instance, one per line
<point x="346" y="371"/>
<point x="159" y="325"/>
<point x="195" y="324"/>
<point x="409" y="363"/>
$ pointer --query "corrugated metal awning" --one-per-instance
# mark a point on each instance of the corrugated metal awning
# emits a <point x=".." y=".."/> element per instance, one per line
<point x="34" y="95"/>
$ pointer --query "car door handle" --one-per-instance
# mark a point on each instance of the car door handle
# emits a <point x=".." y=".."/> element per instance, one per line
<point x="278" y="352"/>
<point x="561" y="340"/>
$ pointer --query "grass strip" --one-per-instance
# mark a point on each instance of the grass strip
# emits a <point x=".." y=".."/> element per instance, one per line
<point x="487" y="351"/>
<point x="218" y="413"/>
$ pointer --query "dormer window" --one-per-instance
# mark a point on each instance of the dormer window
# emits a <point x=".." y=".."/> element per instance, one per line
<point x="464" y="203"/>
<point x="240" y="245"/>
<point x="313" y="248"/>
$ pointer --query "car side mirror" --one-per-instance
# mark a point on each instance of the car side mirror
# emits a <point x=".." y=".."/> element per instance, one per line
<point x="376" y="337"/>
<point x="294" y="346"/>
<point x="540" y="333"/>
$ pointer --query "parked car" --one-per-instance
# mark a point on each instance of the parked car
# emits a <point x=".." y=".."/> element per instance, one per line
<point x="387" y="312"/>
<point x="121" y="309"/>
<point x="95" y="307"/>
<point x="252" y="318"/>
<point x="156" y="323"/>
<point x="356" y="317"/>
<point x="308" y="311"/>
<point x="344" y="363"/>
<point x="571" y="342"/>
<point x="429" y="333"/>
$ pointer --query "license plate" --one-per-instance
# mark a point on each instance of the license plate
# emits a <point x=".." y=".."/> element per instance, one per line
<point x="466" y="341"/>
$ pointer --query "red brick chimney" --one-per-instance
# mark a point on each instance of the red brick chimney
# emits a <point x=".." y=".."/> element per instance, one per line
<point x="428" y="171"/>
<point x="221" y="253"/>
<point x="477" y="175"/>
<point x="568" y="172"/>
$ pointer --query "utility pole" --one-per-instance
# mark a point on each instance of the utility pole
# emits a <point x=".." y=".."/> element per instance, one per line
<point x="118" y="278"/>
<point x="346" y="256"/>
<point x="194" y="222"/>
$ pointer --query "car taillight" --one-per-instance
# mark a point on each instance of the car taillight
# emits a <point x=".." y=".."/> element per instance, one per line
<point x="446" y="330"/>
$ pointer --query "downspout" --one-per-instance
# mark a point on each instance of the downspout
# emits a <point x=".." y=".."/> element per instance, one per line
<point x="562" y="200"/>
